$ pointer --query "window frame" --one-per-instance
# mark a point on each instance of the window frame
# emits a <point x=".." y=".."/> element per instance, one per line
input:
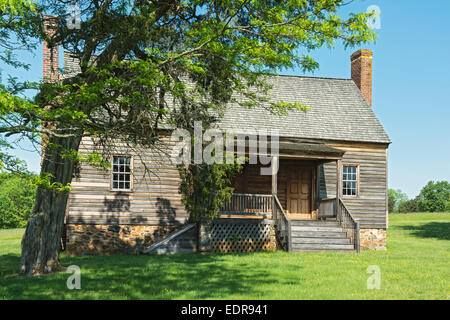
<point x="357" y="165"/>
<point x="131" y="173"/>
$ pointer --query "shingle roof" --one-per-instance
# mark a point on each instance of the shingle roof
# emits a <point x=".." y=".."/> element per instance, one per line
<point x="338" y="111"/>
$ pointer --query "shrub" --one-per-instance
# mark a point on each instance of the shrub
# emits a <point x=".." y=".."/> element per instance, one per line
<point x="16" y="200"/>
<point x="408" y="206"/>
<point x="205" y="187"/>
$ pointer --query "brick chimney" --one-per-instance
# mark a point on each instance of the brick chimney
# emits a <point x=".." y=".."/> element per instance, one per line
<point x="50" y="56"/>
<point x="362" y="72"/>
<point x="50" y="69"/>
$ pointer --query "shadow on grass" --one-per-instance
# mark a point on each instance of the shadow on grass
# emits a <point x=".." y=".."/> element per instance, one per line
<point x="438" y="230"/>
<point x="179" y="276"/>
<point x="9" y="265"/>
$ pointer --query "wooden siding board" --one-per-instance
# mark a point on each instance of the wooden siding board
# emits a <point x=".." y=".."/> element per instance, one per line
<point x="92" y="198"/>
<point x="154" y="199"/>
<point x="369" y="206"/>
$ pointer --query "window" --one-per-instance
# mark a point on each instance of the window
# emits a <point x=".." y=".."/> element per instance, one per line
<point x="121" y="173"/>
<point x="350" y="180"/>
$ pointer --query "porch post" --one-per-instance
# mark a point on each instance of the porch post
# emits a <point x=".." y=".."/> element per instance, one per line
<point x="274" y="185"/>
<point x="338" y="185"/>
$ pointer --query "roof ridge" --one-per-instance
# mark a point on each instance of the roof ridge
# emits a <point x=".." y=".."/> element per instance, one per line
<point x="74" y="55"/>
<point x="308" y="77"/>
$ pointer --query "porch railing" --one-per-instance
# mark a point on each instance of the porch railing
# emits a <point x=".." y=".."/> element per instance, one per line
<point x="349" y="224"/>
<point x="248" y="204"/>
<point x="283" y="225"/>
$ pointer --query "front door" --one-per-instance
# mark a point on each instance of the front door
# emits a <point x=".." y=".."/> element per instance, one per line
<point x="299" y="193"/>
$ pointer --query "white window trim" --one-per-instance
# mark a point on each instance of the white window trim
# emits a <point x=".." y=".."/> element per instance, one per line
<point x="357" y="179"/>
<point x="131" y="173"/>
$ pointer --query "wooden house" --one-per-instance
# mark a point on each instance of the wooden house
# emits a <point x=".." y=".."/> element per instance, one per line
<point x="329" y="193"/>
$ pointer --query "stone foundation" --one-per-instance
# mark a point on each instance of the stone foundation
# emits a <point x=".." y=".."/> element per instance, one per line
<point x="85" y="239"/>
<point x="372" y="239"/>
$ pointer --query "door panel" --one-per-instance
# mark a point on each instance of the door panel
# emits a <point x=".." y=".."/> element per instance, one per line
<point x="299" y="190"/>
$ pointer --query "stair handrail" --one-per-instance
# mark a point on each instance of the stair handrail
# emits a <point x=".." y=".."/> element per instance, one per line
<point x="283" y="223"/>
<point x="348" y="223"/>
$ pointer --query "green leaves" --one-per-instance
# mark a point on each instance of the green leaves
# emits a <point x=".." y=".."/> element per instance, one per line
<point x="16" y="200"/>
<point x="140" y="65"/>
<point x="17" y="7"/>
<point x="435" y="197"/>
<point x="46" y="181"/>
<point x="94" y="159"/>
<point x="205" y="188"/>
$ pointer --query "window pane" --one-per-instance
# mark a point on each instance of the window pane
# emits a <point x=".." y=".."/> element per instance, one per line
<point x="115" y="185"/>
<point x="349" y="180"/>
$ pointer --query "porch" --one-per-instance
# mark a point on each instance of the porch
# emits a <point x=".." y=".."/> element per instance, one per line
<point x="291" y="196"/>
<point x="283" y="210"/>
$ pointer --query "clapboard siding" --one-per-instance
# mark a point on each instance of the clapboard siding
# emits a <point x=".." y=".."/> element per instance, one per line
<point x="370" y="206"/>
<point x="154" y="199"/>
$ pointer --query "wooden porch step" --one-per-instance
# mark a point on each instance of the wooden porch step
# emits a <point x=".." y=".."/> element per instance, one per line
<point x="324" y="250"/>
<point x="302" y="240"/>
<point x="314" y="228"/>
<point x="321" y="246"/>
<point x="319" y="234"/>
<point x="314" y="223"/>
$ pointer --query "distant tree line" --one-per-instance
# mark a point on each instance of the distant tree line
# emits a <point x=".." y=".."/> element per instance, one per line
<point x="434" y="197"/>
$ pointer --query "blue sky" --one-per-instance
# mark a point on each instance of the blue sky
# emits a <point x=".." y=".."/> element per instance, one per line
<point x="411" y="86"/>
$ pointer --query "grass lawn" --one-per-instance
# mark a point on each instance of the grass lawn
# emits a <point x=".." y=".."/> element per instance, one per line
<point x="415" y="266"/>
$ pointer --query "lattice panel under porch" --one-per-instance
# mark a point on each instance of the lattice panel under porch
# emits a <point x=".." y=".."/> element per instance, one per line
<point x="241" y="237"/>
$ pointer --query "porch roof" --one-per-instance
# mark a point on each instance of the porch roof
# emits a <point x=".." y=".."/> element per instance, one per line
<point x="308" y="149"/>
<point x="297" y="148"/>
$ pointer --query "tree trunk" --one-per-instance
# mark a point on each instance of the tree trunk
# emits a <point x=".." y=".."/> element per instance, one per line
<point x="42" y="238"/>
